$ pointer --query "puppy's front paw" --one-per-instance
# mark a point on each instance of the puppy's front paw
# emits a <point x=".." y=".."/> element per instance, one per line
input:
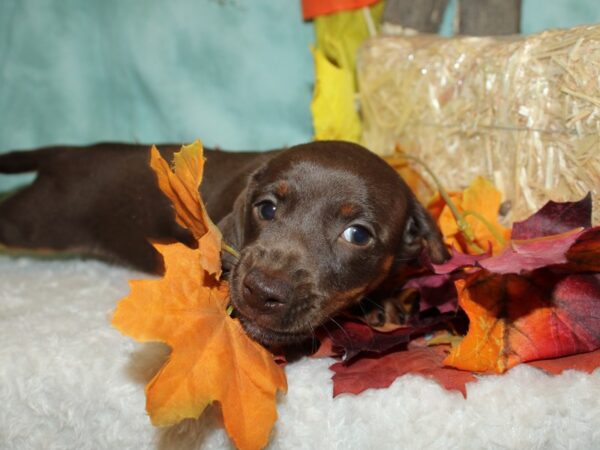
<point x="396" y="310"/>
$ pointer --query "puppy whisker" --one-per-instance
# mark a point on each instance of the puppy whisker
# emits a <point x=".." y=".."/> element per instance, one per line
<point x="340" y="327"/>
<point x="372" y="302"/>
<point x="362" y="309"/>
<point x="327" y="331"/>
<point x="314" y="345"/>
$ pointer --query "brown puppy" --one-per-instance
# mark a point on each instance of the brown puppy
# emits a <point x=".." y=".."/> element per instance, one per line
<point x="318" y="226"/>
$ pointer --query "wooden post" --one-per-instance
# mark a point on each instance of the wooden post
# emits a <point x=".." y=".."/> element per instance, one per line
<point x="488" y="17"/>
<point x="421" y="15"/>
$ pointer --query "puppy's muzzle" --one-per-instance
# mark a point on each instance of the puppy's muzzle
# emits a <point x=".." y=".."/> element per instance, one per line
<point x="267" y="291"/>
<point x="273" y="295"/>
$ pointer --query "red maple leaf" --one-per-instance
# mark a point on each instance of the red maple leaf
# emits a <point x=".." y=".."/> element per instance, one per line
<point x="583" y="362"/>
<point x="380" y="371"/>
<point x="350" y="337"/>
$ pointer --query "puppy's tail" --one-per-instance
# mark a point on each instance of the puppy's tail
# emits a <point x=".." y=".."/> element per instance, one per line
<point x="23" y="161"/>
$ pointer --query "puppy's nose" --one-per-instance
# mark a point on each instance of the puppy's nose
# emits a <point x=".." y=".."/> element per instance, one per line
<point x="266" y="291"/>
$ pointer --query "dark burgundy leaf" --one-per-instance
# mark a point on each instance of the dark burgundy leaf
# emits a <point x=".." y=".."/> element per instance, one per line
<point x="436" y="291"/>
<point x="555" y="218"/>
<point x="351" y="337"/>
<point x="459" y="260"/>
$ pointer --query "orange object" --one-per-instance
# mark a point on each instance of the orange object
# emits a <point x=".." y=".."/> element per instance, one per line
<point x="212" y="358"/>
<point x="480" y="199"/>
<point x="181" y="187"/>
<point x="314" y="8"/>
<point x="514" y="319"/>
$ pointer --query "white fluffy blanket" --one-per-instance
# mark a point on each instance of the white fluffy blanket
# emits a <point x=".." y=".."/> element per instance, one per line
<point x="68" y="380"/>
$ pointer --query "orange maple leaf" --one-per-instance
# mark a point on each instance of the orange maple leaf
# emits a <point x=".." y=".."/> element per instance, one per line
<point x="479" y="204"/>
<point x="181" y="187"/>
<point x="212" y="358"/>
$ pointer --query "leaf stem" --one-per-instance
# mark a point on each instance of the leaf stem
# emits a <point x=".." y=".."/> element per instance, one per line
<point x="229" y="249"/>
<point x="463" y="225"/>
<point x="492" y="229"/>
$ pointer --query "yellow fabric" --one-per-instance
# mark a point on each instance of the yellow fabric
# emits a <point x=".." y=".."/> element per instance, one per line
<point x="332" y="107"/>
<point x="335" y="115"/>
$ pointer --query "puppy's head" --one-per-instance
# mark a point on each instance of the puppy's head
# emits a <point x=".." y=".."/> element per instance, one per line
<point x="319" y="226"/>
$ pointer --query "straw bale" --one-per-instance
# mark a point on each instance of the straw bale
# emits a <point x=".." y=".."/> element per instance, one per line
<point x="522" y="111"/>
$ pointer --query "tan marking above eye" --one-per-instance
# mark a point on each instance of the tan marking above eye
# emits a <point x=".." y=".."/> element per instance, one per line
<point x="347" y="209"/>
<point x="282" y="189"/>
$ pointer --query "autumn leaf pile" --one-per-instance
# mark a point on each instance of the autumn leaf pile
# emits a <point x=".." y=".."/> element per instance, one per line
<point x="507" y="296"/>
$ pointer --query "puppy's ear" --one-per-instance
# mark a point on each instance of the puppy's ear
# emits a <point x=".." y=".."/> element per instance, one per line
<point x="421" y="232"/>
<point x="232" y="227"/>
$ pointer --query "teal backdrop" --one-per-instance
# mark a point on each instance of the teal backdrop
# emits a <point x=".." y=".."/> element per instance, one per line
<point x="236" y="73"/>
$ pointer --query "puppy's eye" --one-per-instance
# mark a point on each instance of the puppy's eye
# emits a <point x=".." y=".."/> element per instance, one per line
<point x="357" y="235"/>
<point x="266" y="210"/>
